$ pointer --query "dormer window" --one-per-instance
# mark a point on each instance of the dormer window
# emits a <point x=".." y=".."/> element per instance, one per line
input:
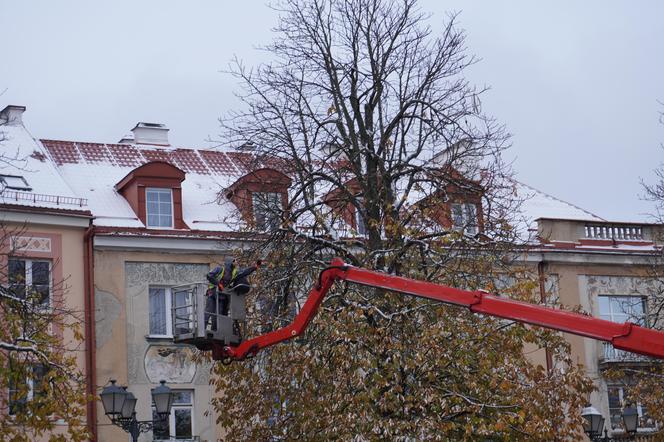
<point x="154" y="192"/>
<point x="360" y="223"/>
<point x="14" y="182"/>
<point x="261" y="197"/>
<point x="159" y="208"/>
<point x="267" y="210"/>
<point x="464" y="218"/>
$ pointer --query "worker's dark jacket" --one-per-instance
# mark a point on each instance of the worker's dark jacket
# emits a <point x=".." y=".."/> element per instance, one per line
<point x="230" y="277"/>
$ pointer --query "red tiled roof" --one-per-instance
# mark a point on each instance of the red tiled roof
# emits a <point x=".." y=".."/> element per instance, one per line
<point x="203" y="162"/>
<point x="189" y="161"/>
<point x="126" y="155"/>
<point x="62" y="151"/>
<point x="95" y="153"/>
<point x="156" y="155"/>
<point x="246" y="162"/>
<point x="218" y="162"/>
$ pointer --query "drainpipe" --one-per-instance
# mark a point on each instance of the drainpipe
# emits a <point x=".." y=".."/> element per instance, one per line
<point x="541" y="273"/>
<point x="90" y="341"/>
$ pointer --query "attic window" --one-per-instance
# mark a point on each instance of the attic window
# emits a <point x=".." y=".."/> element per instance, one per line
<point x="267" y="210"/>
<point x="14" y="182"/>
<point x="159" y="208"/>
<point x="360" y="223"/>
<point x="464" y="218"/>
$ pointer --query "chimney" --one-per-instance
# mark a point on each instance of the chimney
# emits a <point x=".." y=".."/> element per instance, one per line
<point x="151" y="133"/>
<point x="247" y="147"/>
<point x="12" y="115"/>
<point x="127" y="139"/>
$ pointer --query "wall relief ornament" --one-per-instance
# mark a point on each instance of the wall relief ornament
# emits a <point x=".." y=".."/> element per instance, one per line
<point x="170" y="363"/>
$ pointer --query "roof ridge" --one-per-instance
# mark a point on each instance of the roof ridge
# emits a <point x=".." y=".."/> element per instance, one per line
<point x="146" y="146"/>
<point x="558" y="199"/>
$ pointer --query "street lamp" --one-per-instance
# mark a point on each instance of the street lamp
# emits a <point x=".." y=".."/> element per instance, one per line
<point x="163" y="399"/>
<point x="120" y="407"/>
<point x="631" y="419"/>
<point x="112" y="398"/>
<point x="594" y="423"/>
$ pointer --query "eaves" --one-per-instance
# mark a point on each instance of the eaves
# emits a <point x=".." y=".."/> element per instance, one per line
<point x="578" y="256"/>
<point x="44" y="216"/>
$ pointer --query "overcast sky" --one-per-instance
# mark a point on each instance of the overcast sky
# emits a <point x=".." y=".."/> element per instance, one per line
<point x="576" y="83"/>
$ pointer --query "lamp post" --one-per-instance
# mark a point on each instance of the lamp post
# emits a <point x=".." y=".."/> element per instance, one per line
<point x="120" y="407"/>
<point x="593" y="423"/>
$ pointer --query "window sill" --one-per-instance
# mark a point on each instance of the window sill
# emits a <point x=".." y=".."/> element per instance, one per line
<point x="639" y="431"/>
<point x="159" y="338"/>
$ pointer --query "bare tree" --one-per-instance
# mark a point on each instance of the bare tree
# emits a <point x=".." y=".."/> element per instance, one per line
<point x="394" y="167"/>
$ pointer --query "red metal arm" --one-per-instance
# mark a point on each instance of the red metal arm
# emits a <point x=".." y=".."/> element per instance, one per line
<point x="625" y="336"/>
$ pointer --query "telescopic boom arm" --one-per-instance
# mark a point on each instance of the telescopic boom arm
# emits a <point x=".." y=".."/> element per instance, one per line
<point x="625" y="336"/>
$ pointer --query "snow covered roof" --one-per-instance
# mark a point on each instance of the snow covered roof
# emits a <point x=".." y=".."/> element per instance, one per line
<point x="537" y="205"/>
<point x="93" y="170"/>
<point x="43" y="186"/>
<point x="83" y="175"/>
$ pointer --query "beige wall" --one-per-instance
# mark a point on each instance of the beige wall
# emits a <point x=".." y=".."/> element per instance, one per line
<point x="124" y="351"/>
<point x="122" y="314"/>
<point x="63" y="246"/>
<point x="580" y="284"/>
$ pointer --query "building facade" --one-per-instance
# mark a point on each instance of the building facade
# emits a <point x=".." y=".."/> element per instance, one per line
<point x="43" y="225"/>
<point x="126" y="222"/>
<point x="606" y="268"/>
<point x="157" y="224"/>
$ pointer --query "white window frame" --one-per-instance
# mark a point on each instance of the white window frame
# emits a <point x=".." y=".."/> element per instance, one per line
<point x="171" y="417"/>
<point x="28" y="275"/>
<point x="469" y="218"/>
<point x="611" y="316"/>
<point x="147" y="212"/>
<point x="264" y="199"/>
<point x="168" y="303"/>
<point x="620" y="317"/>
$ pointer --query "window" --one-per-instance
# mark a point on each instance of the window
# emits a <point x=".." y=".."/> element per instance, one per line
<point x="267" y="210"/>
<point x="622" y="309"/>
<point x="160" y="303"/>
<point x="360" y="223"/>
<point x="159" y="210"/>
<point x="30" y="278"/>
<point x="21" y="393"/>
<point x="618" y="399"/>
<point x="14" y="182"/>
<point x="160" y="311"/>
<point x="464" y="218"/>
<point x="179" y="424"/>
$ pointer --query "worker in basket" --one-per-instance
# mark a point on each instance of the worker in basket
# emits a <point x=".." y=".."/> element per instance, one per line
<point x="222" y="280"/>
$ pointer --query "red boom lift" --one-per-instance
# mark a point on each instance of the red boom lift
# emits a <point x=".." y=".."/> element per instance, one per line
<point x="225" y="343"/>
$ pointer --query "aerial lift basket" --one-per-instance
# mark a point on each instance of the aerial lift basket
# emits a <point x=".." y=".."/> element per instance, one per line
<point x="192" y="322"/>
